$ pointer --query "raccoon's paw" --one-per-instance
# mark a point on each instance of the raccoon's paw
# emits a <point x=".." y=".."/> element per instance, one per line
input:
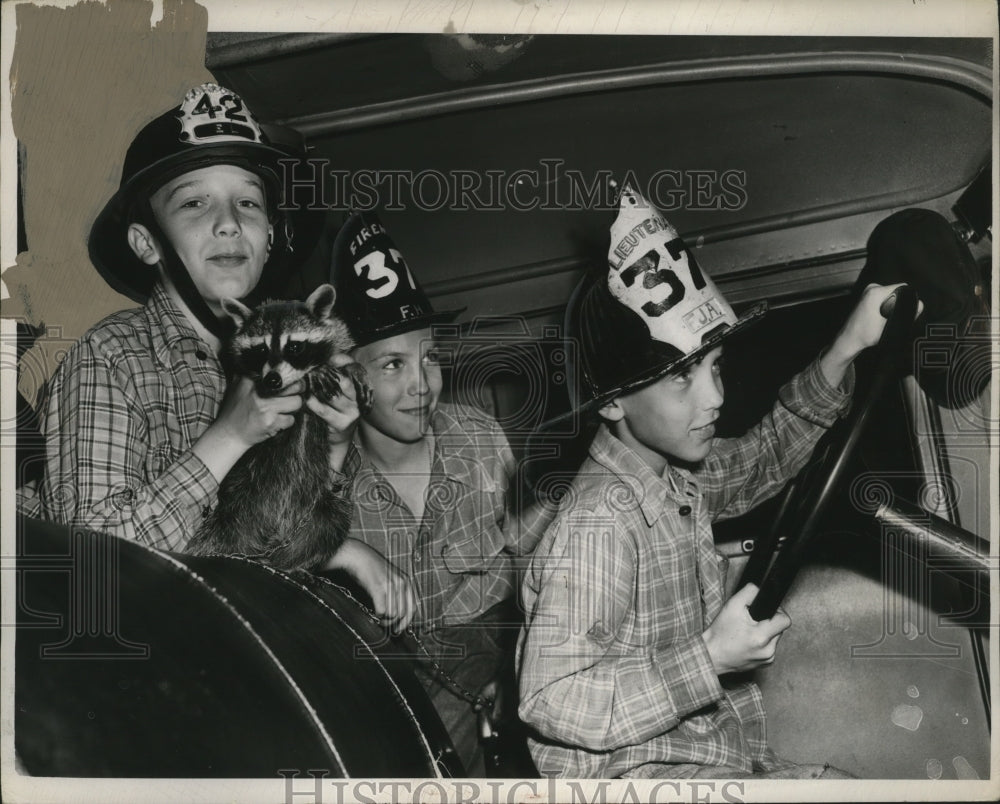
<point x="362" y="389"/>
<point x="324" y="383"/>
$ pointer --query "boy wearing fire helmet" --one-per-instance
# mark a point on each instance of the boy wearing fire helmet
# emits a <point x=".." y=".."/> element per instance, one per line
<point x="139" y="423"/>
<point x="433" y="489"/>
<point x="630" y="657"/>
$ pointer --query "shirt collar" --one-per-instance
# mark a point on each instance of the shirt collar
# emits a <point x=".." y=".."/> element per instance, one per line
<point x="460" y="448"/>
<point x="168" y="324"/>
<point x="457" y="453"/>
<point x="649" y="489"/>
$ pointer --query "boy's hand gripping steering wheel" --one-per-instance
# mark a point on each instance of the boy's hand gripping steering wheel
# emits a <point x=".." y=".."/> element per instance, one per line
<point x="809" y="494"/>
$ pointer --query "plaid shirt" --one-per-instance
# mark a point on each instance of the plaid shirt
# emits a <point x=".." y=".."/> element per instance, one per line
<point x="459" y="554"/>
<point x="124" y="408"/>
<point x="615" y="674"/>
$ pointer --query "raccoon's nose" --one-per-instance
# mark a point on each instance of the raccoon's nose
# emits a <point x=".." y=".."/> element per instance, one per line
<point x="272" y="381"/>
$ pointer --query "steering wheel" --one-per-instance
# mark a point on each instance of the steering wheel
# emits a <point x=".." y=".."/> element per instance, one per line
<point x="808" y="496"/>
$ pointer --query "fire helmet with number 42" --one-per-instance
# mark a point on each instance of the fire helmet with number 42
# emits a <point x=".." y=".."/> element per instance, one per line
<point x="651" y="313"/>
<point x="211" y="126"/>
<point x="377" y="294"/>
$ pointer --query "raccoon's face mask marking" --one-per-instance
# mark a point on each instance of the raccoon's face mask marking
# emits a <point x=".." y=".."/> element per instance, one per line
<point x="279" y="343"/>
<point x="279" y="361"/>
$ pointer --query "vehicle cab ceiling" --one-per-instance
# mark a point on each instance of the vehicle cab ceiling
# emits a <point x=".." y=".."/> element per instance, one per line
<point x="775" y="156"/>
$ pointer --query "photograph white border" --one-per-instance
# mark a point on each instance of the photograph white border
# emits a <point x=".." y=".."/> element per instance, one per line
<point x="937" y="18"/>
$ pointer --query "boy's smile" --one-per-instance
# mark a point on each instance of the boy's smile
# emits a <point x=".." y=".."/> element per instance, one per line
<point x="673" y="418"/>
<point x="406" y="382"/>
<point x="216" y="220"/>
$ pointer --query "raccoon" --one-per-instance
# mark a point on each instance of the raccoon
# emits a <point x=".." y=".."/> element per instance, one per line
<point x="278" y="503"/>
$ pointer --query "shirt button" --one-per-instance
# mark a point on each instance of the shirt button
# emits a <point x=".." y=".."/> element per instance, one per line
<point x="124" y="499"/>
<point x="416" y="558"/>
<point x="201" y="354"/>
<point x="684" y="510"/>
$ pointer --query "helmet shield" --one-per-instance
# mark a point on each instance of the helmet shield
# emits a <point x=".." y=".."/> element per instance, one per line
<point x="377" y="294"/>
<point x="651" y="313"/>
<point x="653" y="274"/>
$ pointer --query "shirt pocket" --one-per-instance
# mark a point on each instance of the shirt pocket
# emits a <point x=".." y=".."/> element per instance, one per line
<point x="158" y="460"/>
<point x="703" y="723"/>
<point x="476" y="542"/>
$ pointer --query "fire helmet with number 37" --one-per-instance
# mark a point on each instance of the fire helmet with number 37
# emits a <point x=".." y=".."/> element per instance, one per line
<point x="211" y="126"/>
<point x="651" y="313"/>
<point x="377" y="294"/>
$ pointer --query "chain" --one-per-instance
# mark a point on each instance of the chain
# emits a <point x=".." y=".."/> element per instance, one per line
<point x="478" y="701"/>
<point x="264" y="555"/>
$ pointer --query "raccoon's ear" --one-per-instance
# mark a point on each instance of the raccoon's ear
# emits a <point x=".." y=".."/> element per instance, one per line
<point x="321" y="300"/>
<point x="237" y="311"/>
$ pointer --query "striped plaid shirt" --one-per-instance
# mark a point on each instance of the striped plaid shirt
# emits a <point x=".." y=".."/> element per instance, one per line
<point x="459" y="554"/>
<point x="124" y="407"/>
<point x="614" y="673"/>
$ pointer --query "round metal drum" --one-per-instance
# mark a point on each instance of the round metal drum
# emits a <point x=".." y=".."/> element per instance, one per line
<point x="133" y="662"/>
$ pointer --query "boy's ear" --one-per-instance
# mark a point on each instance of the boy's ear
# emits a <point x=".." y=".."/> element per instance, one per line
<point x="611" y="411"/>
<point x="143" y="244"/>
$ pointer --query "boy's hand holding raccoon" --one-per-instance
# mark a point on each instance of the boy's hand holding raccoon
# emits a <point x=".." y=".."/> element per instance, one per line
<point x="267" y="389"/>
<point x="245" y="418"/>
<point x="339" y="409"/>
